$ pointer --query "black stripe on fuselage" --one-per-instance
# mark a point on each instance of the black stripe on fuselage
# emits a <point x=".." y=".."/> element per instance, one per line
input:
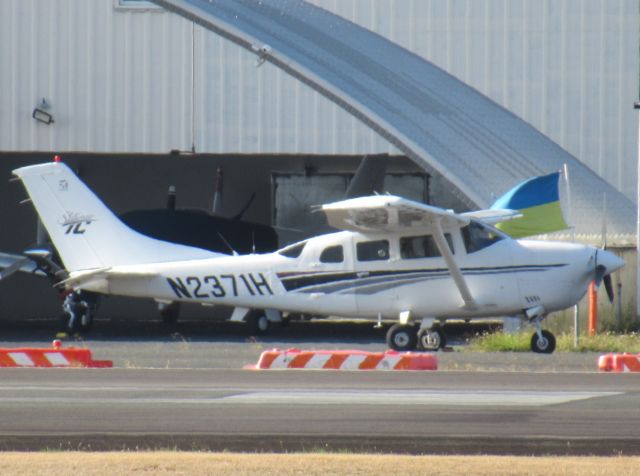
<point x="301" y="280"/>
<point x="298" y="281"/>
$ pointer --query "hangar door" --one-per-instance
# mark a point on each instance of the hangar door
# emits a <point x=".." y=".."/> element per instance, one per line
<point x="294" y="195"/>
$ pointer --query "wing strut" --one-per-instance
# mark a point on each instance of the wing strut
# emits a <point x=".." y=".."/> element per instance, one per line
<point x="454" y="269"/>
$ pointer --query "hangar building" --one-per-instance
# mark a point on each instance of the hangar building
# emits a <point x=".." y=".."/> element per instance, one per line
<point x="129" y="83"/>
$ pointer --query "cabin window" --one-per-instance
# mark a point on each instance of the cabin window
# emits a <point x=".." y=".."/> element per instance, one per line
<point x="332" y="254"/>
<point x="372" y="250"/>
<point x="477" y="237"/>
<point x="412" y="247"/>
<point x="293" y="251"/>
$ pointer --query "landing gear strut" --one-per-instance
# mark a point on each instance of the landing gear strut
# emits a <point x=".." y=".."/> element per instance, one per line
<point x="169" y="313"/>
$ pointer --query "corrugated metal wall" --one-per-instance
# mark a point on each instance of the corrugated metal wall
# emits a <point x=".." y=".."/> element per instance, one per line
<point x="116" y="80"/>
<point x="568" y="67"/>
<point x="131" y="80"/>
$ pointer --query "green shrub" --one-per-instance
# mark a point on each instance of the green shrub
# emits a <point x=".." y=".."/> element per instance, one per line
<point x="521" y="342"/>
<point x="501" y="342"/>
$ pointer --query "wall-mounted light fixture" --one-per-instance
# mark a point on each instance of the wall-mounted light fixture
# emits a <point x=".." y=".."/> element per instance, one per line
<point x="262" y="51"/>
<point x="40" y="115"/>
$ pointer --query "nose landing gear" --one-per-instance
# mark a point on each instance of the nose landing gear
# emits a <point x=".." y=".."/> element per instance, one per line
<point x="542" y="341"/>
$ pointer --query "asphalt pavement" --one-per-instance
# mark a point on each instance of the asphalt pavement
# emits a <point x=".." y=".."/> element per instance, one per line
<point x="184" y="388"/>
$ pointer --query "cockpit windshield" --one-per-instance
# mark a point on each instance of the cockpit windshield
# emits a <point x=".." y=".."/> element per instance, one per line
<point x="293" y="251"/>
<point x="478" y="236"/>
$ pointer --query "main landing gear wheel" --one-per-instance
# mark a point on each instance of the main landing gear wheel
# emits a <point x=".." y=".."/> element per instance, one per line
<point x="402" y="337"/>
<point x="170" y="313"/>
<point x="257" y="323"/>
<point x="285" y="322"/>
<point x="544" y="345"/>
<point x="431" y="339"/>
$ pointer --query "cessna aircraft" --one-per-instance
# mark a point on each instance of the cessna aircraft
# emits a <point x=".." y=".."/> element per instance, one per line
<point x="394" y="259"/>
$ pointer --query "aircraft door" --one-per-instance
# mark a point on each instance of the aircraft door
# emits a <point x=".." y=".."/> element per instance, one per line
<point x="334" y="275"/>
<point x="371" y="262"/>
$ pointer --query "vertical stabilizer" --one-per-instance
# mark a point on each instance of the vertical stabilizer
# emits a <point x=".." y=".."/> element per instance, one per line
<point x="85" y="232"/>
<point x="369" y="178"/>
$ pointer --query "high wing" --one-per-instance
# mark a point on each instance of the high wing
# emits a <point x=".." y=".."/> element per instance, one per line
<point x="98" y="278"/>
<point x="388" y="214"/>
<point x="392" y="214"/>
<point x="493" y="217"/>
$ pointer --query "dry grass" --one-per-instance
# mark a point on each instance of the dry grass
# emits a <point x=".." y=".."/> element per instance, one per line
<point x="223" y="464"/>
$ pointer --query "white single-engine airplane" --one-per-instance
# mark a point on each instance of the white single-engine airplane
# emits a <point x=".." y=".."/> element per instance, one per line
<point x="394" y="259"/>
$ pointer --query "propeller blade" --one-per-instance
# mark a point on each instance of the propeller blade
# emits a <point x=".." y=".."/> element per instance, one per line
<point x="604" y="221"/>
<point x="608" y="287"/>
<point x="246" y="207"/>
<point x="600" y="274"/>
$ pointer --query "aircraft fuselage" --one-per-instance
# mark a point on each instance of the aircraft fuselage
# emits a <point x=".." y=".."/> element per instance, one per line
<point x="507" y="277"/>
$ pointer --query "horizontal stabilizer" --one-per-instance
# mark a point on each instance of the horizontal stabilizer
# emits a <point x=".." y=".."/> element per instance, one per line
<point x="10" y="264"/>
<point x="88" y="279"/>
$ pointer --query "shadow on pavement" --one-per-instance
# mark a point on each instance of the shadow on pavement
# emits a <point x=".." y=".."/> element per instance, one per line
<point x="210" y="330"/>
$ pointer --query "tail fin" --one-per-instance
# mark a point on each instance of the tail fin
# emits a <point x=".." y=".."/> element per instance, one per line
<point x="538" y="200"/>
<point x="369" y="177"/>
<point x="85" y="232"/>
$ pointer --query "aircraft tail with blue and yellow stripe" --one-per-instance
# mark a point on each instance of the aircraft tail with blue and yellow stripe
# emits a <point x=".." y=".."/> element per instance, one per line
<point x="538" y="200"/>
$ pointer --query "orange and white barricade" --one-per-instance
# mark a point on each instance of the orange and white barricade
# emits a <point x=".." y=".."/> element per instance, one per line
<point x="55" y="356"/>
<point x="345" y="360"/>
<point x="619" y="363"/>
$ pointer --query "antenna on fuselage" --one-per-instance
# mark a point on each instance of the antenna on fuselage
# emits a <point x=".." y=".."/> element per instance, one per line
<point x="171" y="198"/>
<point x="216" y="205"/>
<point x="233" y="252"/>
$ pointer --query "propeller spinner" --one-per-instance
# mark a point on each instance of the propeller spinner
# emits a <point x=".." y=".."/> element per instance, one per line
<point x="606" y="263"/>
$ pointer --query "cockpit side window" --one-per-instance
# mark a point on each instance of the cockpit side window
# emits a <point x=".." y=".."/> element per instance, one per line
<point x="477" y="237"/>
<point x="332" y="254"/>
<point x="293" y="251"/>
<point x="412" y="247"/>
<point x="372" y="250"/>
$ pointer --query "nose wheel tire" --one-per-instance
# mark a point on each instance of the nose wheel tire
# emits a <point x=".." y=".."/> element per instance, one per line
<point x="544" y="345"/>
<point x="431" y="339"/>
<point x="402" y="337"/>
